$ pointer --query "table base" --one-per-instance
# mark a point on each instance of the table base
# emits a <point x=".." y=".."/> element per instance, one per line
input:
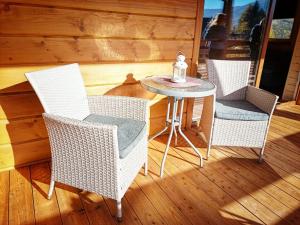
<point x="174" y="122"/>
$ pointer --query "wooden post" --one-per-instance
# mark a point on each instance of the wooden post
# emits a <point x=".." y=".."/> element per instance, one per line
<point x="227" y="9"/>
<point x="265" y="42"/>
<point x="195" y="56"/>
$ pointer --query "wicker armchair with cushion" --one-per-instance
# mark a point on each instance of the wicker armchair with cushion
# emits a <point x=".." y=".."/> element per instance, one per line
<point x="98" y="143"/>
<point x="242" y="113"/>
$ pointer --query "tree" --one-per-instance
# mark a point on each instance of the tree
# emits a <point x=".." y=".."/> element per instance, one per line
<point x="250" y="17"/>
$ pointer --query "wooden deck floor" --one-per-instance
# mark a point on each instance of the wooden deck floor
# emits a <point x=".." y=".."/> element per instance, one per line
<point x="232" y="188"/>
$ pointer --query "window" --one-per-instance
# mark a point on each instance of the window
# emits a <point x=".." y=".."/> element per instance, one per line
<point x="281" y="28"/>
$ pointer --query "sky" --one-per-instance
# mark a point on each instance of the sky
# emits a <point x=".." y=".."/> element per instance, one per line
<point x="218" y="4"/>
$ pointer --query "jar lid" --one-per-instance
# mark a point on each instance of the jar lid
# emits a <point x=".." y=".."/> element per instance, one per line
<point x="180" y="58"/>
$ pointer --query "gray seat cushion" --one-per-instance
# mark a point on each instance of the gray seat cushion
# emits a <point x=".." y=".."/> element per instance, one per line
<point x="239" y="110"/>
<point x="130" y="131"/>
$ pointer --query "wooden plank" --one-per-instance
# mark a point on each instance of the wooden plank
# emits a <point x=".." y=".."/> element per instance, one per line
<point x="233" y="187"/>
<point x="15" y="50"/>
<point x="283" y="142"/>
<point x="268" y="175"/>
<point x="284" y="163"/>
<point x="96" y="209"/>
<point x="29" y="129"/>
<point x="195" y="56"/>
<point x="290" y="85"/>
<point x="186" y="177"/>
<point x="12" y="78"/>
<point x="22" y="130"/>
<point x="71" y="208"/>
<point x="23" y="154"/>
<point x="163" y="204"/>
<point x="177" y="196"/>
<point x="21" y="209"/>
<point x="232" y="210"/>
<point x="18" y="106"/>
<point x="197" y="36"/>
<point x="259" y="188"/>
<point x="159" y="109"/>
<point x="46" y="211"/>
<point x="69" y="22"/>
<point x="158" y="123"/>
<point x="142" y="206"/>
<point x="4" y="197"/>
<point x="131" y="90"/>
<point x="129" y="217"/>
<point x="176" y="8"/>
<point x="269" y="166"/>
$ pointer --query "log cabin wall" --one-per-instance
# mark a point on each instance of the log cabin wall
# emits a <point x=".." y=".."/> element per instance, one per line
<point x="294" y="72"/>
<point x="115" y="42"/>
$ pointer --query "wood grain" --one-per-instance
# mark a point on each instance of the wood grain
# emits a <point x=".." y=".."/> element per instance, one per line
<point x="17" y="155"/>
<point x="46" y="211"/>
<point x="204" y="211"/>
<point x="4" y="197"/>
<point x="27" y="20"/>
<point x="291" y="82"/>
<point x="174" y="8"/>
<point x="129" y="216"/>
<point x="18" y="106"/>
<point x="143" y="207"/>
<point x="164" y="205"/>
<point x="22" y="130"/>
<point x="195" y="56"/>
<point x="231" y="188"/>
<point x="96" y="209"/>
<point x="41" y="50"/>
<point x="12" y="78"/>
<point x="21" y="209"/>
<point x="70" y="205"/>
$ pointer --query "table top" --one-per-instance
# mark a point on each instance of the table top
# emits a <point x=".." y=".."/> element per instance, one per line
<point x="205" y="88"/>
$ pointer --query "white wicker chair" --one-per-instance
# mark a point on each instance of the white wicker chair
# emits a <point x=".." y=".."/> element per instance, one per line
<point x="231" y="79"/>
<point x="86" y="154"/>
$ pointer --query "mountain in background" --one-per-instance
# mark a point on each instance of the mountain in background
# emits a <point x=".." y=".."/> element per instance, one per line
<point x="237" y="11"/>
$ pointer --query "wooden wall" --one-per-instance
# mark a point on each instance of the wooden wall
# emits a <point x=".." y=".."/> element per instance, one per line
<point x="115" y="42"/>
<point x="294" y="70"/>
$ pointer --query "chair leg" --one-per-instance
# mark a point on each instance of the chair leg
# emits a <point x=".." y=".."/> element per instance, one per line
<point x="51" y="188"/>
<point x="119" y="211"/>
<point x="146" y="168"/>
<point x="208" y="151"/>
<point x="261" y="154"/>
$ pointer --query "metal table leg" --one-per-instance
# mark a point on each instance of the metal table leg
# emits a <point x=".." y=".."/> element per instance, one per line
<point x="183" y="135"/>
<point x="174" y="115"/>
<point x="175" y="121"/>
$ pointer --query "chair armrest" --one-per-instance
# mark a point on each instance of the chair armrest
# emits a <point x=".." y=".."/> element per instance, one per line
<point x="84" y="155"/>
<point x="262" y="99"/>
<point x="119" y="106"/>
<point x="81" y="135"/>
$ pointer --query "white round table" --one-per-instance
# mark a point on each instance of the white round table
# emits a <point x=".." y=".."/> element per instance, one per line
<point x="204" y="89"/>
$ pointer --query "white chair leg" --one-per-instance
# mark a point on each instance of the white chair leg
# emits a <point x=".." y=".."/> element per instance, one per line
<point x="119" y="210"/>
<point x="261" y="154"/>
<point x="208" y="151"/>
<point x="51" y="188"/>
<point x="146" y="168"/>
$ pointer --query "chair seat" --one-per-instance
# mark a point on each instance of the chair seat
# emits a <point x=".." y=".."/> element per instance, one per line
<point x="239" y="110"/>
<point x="130" y="131"/>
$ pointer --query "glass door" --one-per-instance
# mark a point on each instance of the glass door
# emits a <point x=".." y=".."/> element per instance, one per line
<point x="233" y="30"/>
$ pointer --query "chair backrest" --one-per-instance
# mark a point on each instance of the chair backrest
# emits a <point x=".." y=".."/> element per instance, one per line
<point x="61" y="91"/>
<point x="230" y="77"/>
